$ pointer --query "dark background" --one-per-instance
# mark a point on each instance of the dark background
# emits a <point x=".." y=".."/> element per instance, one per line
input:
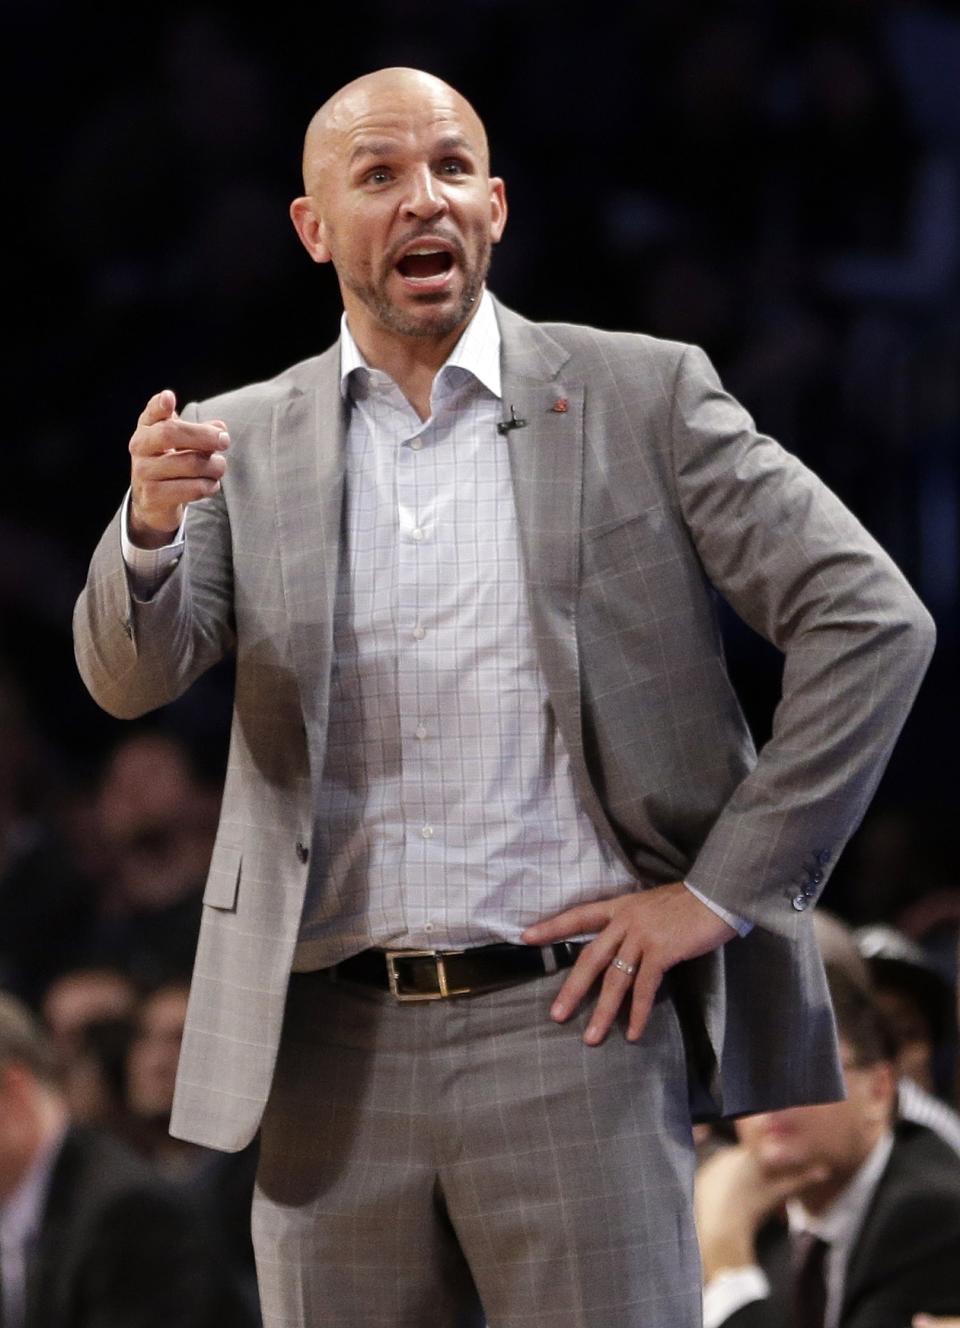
<point x="778" y="182"/>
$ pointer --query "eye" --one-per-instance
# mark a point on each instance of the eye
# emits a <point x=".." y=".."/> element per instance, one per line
<point x="453" y="166"/>
<point x="378" y="175"/>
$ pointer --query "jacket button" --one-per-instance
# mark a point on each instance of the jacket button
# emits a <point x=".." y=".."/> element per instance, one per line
<point x="302" y="851"/>
<point x="800" y="902"/>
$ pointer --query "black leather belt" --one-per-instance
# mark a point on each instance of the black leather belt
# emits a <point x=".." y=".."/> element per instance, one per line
<point x="432" y="975"/>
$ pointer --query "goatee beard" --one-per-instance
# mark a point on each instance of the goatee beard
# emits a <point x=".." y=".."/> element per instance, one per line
<point x="444" y="322"/>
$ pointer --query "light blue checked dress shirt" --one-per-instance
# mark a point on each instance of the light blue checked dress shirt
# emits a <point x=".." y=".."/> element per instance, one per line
<point x="446" y="813"/>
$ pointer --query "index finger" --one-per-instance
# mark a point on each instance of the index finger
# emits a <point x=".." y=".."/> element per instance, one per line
<point x="571" y="922"/>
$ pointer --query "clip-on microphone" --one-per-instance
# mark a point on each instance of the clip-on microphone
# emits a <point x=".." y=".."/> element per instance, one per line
<point x="514" y="422"/>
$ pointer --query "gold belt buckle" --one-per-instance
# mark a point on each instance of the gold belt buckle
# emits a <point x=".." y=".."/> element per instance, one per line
<point x="438" y="958"/>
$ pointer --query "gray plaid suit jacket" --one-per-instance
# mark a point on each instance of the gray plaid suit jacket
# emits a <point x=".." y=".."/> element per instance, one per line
<point x="647" y="495"/>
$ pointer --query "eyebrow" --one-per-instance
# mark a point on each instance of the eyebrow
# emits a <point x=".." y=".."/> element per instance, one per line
<point x="379" y="148"/>
<point x="455" y="143"/>
<point x="387" y="147"/>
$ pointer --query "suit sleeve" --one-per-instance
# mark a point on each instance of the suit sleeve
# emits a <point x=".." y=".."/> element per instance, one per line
<point x="799" y="568"/>
<point x="133" y="655"/>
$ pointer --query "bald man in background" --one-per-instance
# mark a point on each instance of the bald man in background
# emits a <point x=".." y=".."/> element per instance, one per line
<point x="492" y="812"/>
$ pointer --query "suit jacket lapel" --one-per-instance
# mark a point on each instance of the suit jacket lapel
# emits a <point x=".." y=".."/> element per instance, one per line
<point x="546" y="461"/>
<point x="308" y="450"/>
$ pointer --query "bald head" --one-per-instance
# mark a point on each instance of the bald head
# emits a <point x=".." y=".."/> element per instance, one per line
<point x="365" y="100"/>
<point x="401" y="201"/>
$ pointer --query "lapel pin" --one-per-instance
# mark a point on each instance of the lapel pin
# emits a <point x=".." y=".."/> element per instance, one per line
<point x="560" y="406"/>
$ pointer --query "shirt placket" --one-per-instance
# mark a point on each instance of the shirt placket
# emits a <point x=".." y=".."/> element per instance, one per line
<point x="419" y="620"/>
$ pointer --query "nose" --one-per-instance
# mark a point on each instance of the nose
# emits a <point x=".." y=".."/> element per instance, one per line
<point x="424" y="198"/>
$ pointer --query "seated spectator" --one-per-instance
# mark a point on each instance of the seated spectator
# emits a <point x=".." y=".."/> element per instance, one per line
<point x="871" y="1234"/>
<point x="89" y="1237"/>
<point x="151" y="1074"/>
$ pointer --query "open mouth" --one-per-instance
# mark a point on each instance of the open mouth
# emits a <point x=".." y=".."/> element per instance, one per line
<point x="425" y="263"/>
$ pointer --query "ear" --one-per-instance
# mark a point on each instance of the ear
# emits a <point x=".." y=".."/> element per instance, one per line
<point x="498" y="208"/>
<point x="310" y="228"/>
<point x="883" y="1090"/>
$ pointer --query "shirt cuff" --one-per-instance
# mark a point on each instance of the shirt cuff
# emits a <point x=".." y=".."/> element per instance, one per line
<point x="147" y="569"/>
<point x="740" y="925"/>
<point x="730" y="1290"/>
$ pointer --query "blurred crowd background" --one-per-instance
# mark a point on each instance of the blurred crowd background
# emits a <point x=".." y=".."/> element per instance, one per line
<point x="776" y="180"/>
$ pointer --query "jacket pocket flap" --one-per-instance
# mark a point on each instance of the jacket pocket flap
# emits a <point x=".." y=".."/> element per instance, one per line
<point x="643" y="524"/>
<point x="223" y="878"/>
<point x="624" y="544"/>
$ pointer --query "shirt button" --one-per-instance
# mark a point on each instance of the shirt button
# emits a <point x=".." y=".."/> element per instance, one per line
<point x="419" y="633"/>
<point x="427" y="832"/>
<point x="303" y="851"/>
<point x="428" y="926"/>
<point x="416" y="534"/>
<point x="416" y="444"/>
<point x="421" y="730"/>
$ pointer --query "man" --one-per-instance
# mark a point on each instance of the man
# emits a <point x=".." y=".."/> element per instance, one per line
<point x="88" y="1237"/>
<point x="467" y="565"/>
<point x="873" y="1209"/>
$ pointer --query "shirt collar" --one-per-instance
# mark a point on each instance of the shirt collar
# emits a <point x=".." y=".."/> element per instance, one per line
<point x="840" y="1221"/>
<point x="477" y="350"/>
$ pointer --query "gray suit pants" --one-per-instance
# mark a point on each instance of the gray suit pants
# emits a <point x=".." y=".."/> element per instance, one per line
<point x="419" y="1161"/>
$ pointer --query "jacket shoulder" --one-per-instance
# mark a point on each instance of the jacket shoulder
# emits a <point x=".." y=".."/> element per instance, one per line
<point x="591" y="347"/>
<point x="582" y="339"/>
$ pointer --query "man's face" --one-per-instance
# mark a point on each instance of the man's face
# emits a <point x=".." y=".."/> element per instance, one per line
<point x="402" y="203"/>
<point x="836" y="1136"/>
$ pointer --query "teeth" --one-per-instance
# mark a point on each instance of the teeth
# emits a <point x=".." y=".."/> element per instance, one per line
<point x="411" y="252"/>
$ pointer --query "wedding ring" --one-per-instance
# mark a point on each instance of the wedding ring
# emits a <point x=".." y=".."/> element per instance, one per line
<point x="629" y="969"/>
